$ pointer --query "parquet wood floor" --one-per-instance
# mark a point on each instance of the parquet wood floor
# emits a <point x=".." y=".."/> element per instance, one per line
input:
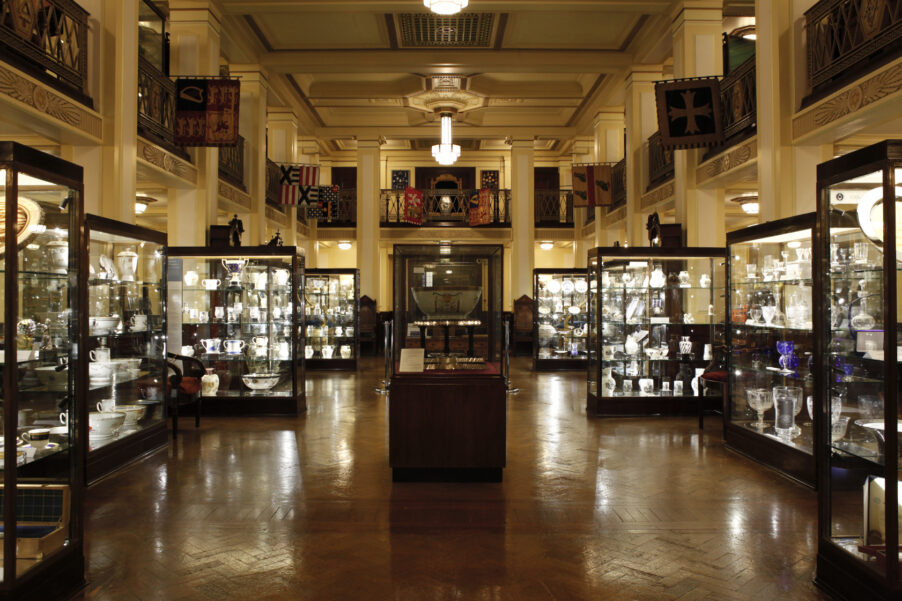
<point x="271" y="509"/>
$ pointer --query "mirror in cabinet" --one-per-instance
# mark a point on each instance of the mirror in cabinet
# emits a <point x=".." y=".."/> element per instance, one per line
<point x="126" y="343"/>
<point x="42" y="447"/>
<point x="770" y="340"/>
<point x="332" y="318"/>
<point x="239" y="311"/>
<point x="858" y="374"/>
<point x="656" y="315"/>
<point x="560" y="330"/>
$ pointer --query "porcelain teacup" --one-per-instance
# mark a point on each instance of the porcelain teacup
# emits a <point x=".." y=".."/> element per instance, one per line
<point x="106" y="405"/>
<point x="100" y="354"/>
<point x="211" y="345"/>
<point x="191" y="278"/>
<point x="187" y="351"/>
<point x="38" y="438"/>
<point x="233" y="347"/>
<point x="211" y="284"/>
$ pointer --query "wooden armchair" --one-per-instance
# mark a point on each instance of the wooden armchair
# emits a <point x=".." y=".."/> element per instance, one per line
<point x="369" y="324"/>
<point x="184" y="387"/>
<point x="524" y="314"/>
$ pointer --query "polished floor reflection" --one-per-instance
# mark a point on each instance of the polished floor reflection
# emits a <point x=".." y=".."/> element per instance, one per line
<point x="268" y="509"/>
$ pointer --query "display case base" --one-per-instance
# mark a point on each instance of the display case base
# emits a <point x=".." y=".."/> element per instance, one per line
<point x="848" y="580"/>
<point x="449" y="424"/>
<point x="447" y="475"/>
<point x="559" y="364"/>
<point x="637" y="406"/>
<point x="257" y="405"/>
<point x="56" y="578"/>
<point x="115" y="455"/>
<point x="332" y="364"/>
<point x="791" y="462"/>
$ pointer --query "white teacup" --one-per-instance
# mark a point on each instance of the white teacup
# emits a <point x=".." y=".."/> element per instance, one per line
<point x="211" y="345"/>
<point x="232" y="346"/>
<point x="37" y="438"/>
<point x="282" y="276"/>
<point x="106" y="423"/>
<point x="187" y="351"/>
<point x="190" y="278"/>
<point x="211" y="284"/>
<point x="138" y="323"/>
<point x="100" y="354"/>
<point x="64" y="418"/>
<point x="106" y="405"/>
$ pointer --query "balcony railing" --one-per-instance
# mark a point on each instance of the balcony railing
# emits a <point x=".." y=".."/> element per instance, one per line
<point x="231" y="164"/>
<point x="554" y="208"/>
<point x="273" y="186"/>
<point x="590" y="216"/>
<point x="156" y="106"/>
<point x="344" y="212"/>
<point x="444" y="208"/>
<point x="618" y="185"/>
<point x="850" y="37"/>
<point x="739" y="107"/>
<point x="49" y="40"/>
<point x="660" y="162"/>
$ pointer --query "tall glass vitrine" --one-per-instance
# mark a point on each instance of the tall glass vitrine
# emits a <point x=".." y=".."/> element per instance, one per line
<point x="332" y="323"/>
<point x="561" y="301"/>
<point x="44" y="370"/>
<point x="770" y="342"/>
<point x="858" y="271"/>
<point x="655" y="315"/>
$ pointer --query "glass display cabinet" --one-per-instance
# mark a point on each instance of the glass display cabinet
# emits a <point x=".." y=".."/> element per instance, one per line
<point x="333" y="318"/>
<point x="857" y="274"/>
<point x="126" y="348"/>
<point x="42" y="450"/>
<point x="770" y="342"/>
<point x="239" y="311"/>
<point x="655" y="316"/>
<point x="560" y="322"/>
<point x="447" y="301"/>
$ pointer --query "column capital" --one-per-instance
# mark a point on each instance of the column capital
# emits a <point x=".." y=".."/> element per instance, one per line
<point x="644" y="74"/>
<point x="582" y="146"/>
<point x="369" y="142"/>
<point x="195" y="11"/>
<point x="613" y="117"/>
<point x="254" y="74"/>
<point x="696" y="10"/>
<point x="522" y="143"/>
<point x="282" y="115"/>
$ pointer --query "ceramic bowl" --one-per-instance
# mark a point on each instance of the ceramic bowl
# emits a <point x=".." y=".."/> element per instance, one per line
<point x="263" y="381"/>
<point x="133" y="413"/>
<point x="106" y="423"/>
<point x="53" y="379"/>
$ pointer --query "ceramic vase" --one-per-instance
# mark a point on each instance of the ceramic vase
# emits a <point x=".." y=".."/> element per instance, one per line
<point x="209" y="383"/>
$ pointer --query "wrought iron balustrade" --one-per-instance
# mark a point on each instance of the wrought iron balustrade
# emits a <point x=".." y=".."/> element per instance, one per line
<point x="49" y="40"/>
<point x="590" y="216"/>
<point x="231" y="164"/>
<point x="554" y="208"/>
<point x="739" y="103"/>
<point x="444" y="207"/>
<point x="660" y="161"/>
<point x="850" y="37"/>
<point x="156" y="105"/>
<point x="618" y="185"/>
<point x="273" y="186"/>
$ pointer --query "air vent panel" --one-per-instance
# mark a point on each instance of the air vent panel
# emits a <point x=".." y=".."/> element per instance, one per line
<point x="428" y="30"/>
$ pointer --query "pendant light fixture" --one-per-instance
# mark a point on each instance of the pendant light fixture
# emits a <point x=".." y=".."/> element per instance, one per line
<point x="446" y="7"/>
<point x="446" y="152"/>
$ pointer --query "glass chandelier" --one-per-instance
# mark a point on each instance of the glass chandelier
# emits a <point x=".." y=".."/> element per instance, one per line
<point x="446" y="7"/>
<point x="446" y="152"/>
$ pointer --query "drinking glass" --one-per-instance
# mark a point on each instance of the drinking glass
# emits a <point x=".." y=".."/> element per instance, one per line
<point x="787" y="403"/>
<point x="759" y="401"/>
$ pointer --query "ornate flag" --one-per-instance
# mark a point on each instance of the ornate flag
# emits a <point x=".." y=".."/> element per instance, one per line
<point x="592" y="185"/>
<point x="299" y="183"/>
<point x="328" y="197"/>
<point x="206" y="111"/>
<point x="489" y="179"/>
<point x="412" y="211"/>
<point x="400" y="179"/>
<point x="481" y="207"/>
<point x="316" y="211"/>
<point x="689" y="112"/>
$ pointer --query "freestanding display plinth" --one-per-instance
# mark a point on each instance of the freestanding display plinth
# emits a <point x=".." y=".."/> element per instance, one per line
<point x="448" y="425"/>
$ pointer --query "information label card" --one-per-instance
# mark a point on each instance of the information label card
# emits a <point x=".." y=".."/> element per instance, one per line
<point x="412" y="360"/>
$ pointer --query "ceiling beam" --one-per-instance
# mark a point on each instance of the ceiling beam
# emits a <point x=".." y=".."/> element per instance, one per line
<point x="463" y="62"/>
<point x="431" y="130"/>
<point x="281" y="6"/>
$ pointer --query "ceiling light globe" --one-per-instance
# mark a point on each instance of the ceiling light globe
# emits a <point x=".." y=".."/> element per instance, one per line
<point x="446" y="7"/>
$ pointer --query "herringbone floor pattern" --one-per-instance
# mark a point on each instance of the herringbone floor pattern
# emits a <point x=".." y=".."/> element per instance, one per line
<point x="590" y="509"/>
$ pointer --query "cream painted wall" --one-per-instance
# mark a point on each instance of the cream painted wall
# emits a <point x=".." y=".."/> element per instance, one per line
<point x="559" y="257"/>
<point x="330" y="256"/>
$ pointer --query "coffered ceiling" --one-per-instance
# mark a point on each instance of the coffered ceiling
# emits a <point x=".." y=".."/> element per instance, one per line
<point x="527" y="68"/>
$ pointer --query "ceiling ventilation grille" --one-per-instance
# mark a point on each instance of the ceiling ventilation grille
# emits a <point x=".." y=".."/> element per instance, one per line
<point x="464" y="30"/>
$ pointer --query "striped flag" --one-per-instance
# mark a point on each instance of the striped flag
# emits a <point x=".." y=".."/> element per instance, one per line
<point x="298" y="183"/>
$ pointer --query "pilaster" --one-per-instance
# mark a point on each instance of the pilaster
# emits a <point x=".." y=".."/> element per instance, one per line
<point x="641" y="123"/>
<point x="252" y="125"/>
<point x="282" y="147"/>
<point x="609" y="128"/>
<point x="368" y="174"/>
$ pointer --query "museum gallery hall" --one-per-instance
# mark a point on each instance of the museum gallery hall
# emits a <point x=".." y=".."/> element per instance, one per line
<point x="450" y="300"/>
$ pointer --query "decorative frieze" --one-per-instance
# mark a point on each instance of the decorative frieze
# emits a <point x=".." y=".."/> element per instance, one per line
<point x="727" y="161"/>
<point x="235" y="195"/>
<point x="166" y="161"/>
<point x="658" y="195"/>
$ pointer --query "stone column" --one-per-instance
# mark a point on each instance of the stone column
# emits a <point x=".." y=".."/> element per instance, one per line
<point x="282" y="144"/>
<point x="609" y="127"/>
<point x="254" y="88"/>
<point x="641" y="123"/>
<point x="697" y="51"/>
<point x="194" y="27"/>
<point x="368" y="182"/>
<point x="523" y="221"/>
<point x="119" y="105"/>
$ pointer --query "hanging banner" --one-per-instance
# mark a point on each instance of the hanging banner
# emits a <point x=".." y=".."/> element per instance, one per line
<point x="328" y="196"/>
<point x="412" y="209"/>
<point x="592" y="185"/>
<point x="297" y="182"/>
<point x="206" y="111"/>
<point x="689" y="112"/>
<point x="481" y="207"/>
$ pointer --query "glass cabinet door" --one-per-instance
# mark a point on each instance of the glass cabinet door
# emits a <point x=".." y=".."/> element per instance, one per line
<point x="331" y="306"/>
<point x="126" y="335"/>
<point x="771" y="346"/>
<point x="592" y="332"/>
<point x="561" y="299"/>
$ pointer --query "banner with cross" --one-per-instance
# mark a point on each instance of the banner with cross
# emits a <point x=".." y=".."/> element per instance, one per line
<point x="689" y="114"/>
